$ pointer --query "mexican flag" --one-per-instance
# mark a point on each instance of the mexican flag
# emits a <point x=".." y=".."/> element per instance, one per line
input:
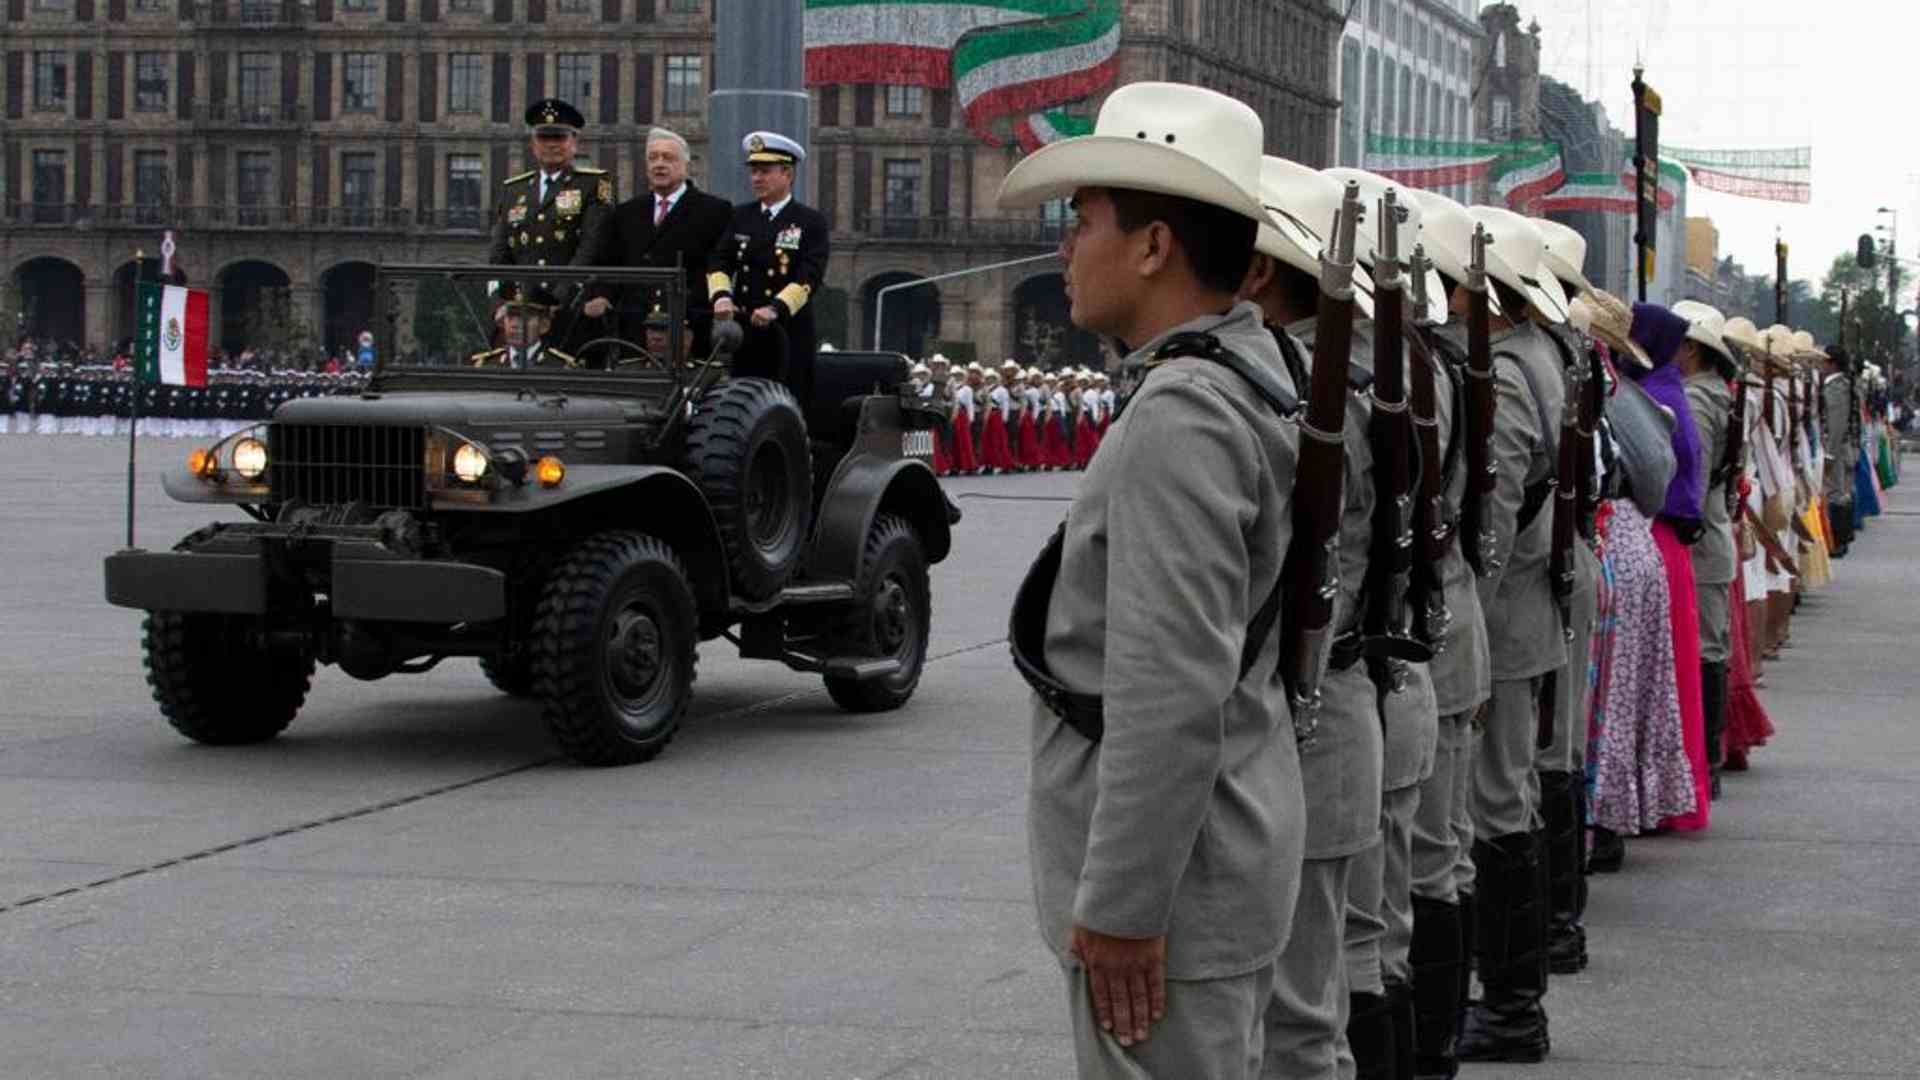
<point x="171" y="344"/>
<point x="1012" y="64"/>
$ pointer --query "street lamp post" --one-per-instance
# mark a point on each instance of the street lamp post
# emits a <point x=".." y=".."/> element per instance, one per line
<point x="1893" y="285"/>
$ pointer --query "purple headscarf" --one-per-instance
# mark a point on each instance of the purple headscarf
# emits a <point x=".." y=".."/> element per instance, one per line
<point x="1661" y="332"/>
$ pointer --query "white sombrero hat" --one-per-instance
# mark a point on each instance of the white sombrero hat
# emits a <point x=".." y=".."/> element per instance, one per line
<point x="1446" y="230"/>
<point x="1513" y="259"/>
<point x="1168" y="138"/>
<point x="1301" y="204"/>
<point x="1564" y="251"/>
<point x="1706" y="325"/>
<point x="1372" y="187"/>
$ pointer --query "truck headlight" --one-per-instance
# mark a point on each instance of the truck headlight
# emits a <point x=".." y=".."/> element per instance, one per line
<point x="469" y="463"/>
<point x="250" y="458"/>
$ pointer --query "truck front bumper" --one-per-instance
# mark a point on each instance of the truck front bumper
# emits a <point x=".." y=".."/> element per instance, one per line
<point x="250" y="569"/>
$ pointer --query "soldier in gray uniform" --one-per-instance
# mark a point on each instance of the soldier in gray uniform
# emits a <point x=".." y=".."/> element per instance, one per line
<point x="1442" y="867"/>
<point x="1839" y="439"/>
<point x="1562" y="764"/>
<point x="1509" y="1021"/>
<point x="1164" y="817"/>
<point x="1708" y="366"/>
<point x="1340" y="768"/>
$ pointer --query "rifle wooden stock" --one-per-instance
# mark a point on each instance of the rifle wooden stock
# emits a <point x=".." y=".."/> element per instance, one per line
<point x="1426" y="587"/>
<point x="1390" y="434"/>
<point x="1593" y="398"/>
<point x="1475" y="529"/>
<point x="1311" y="567"/>
<point x="1732" y="465"/>
<point x="1565" y="511"/>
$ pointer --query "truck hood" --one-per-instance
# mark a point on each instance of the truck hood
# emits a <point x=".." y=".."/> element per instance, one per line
<point x="461" y="411"/>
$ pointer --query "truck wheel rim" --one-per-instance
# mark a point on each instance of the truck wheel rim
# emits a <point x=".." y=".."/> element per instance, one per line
<point x="635" y="658"/>
<point x="893" y="626"/>
<point x="767" y="498"/>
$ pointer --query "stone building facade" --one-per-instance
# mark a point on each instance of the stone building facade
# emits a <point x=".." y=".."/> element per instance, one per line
<point x="294" y="144"/>
<point x="1406" y="73"/>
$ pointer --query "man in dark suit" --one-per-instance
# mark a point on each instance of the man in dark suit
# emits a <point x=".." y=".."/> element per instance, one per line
<point x="769" y="263"/>
<point x="673" y="220"/>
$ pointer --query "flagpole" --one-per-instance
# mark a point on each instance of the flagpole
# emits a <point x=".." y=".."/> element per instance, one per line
<point x="133" y="409"/>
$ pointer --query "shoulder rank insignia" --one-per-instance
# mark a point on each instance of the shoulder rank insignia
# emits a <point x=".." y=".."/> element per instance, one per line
<point x="523" y="176"/>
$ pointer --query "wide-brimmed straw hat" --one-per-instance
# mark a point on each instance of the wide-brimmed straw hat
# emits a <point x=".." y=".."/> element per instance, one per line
<point x="1804" y="347"/>
<point x="1612" y="322"/>
<point x="1513" y="259"/>
<point x="1300" y="204"/>
<point x="1707" y="326"/>
<point x="1446" y="230"/>
<point x="1564" y="251"/>
<point x="1167" y="138"/>
<point x="1372" y="187"/>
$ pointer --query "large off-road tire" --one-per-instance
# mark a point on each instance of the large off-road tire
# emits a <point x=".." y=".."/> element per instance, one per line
<point x="613" y="649"/>
<point x="891" y="617"/>
<point x="216" y="680"/>
<point x="747" y="449"/>
<point x="512" y="676"/>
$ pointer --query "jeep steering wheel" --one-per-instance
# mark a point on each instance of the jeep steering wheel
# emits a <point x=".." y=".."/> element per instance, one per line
<point x="628" y="354"/>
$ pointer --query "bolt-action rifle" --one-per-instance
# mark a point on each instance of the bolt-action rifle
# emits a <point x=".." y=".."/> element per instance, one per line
<point x="1311" y="569"/>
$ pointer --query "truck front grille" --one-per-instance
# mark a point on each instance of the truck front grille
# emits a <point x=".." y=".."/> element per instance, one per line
<point x="334" y="464"/>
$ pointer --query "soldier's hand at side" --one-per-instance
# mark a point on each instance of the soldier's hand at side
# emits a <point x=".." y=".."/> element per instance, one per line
<point x="723" y="308"/>
<point x="597" y="307"/>
<point x="764" y="316"/>
<point x="1127" y="978"/>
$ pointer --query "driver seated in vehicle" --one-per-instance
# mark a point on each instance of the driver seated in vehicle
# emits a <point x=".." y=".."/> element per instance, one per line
<point x="659" y="340"/>
<point x="527" y="323"/>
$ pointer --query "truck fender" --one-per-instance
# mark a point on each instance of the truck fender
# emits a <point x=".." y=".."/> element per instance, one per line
<point x="864" y="488"/>
<point x="655" y="500"/>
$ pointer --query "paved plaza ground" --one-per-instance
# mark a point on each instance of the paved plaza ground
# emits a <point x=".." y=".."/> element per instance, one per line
<point x="409" y="883"/>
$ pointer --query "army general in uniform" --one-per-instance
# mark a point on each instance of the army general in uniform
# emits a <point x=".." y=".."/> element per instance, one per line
<point x="556" y="214"/>
<point x="769" y="263"/>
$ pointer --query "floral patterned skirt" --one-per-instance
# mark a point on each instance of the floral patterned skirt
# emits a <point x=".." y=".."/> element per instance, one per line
<point x="1637" y="768"/>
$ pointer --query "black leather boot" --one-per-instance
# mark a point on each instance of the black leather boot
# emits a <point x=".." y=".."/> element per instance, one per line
<point x="1469" y="936"/>
<point x="1565" y="848"/>
<point x="1713" y="701"/>
<point x="1370" y="1036"/>
<point x="1609" y="851"/>
<point x="1438" y="959"/>
<point x="1400" y="1013"/>
<point x="1509" y="1022"/>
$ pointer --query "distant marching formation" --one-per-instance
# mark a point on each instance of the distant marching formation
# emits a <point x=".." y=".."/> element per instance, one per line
<point x="1014" y="419"/>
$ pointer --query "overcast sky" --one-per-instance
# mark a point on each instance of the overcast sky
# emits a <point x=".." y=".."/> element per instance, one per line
<point x="1839" y="75"/>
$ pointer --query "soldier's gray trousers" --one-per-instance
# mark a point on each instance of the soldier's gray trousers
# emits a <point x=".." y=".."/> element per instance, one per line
<point x="1306" y="1017"/>
<point x="1568" y="751"/>
<point x="1379" y="905"/>
<point x="1212" y="1031"/>
<point x="1442" y="840"/>
<point x="1506" y="790"/>
<point x="1716" y="640"/>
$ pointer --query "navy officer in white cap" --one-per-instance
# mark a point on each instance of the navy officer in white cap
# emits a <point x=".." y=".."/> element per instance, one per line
<point x="769" y="263"/>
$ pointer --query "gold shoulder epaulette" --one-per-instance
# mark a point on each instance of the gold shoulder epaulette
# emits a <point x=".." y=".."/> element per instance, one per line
<point x="522" y="176"/>
<point x="588" y="170"/>
<point x="564" y="358"/>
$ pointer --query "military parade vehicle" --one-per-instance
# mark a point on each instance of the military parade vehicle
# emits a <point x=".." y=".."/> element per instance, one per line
<point x="578" y="523"/>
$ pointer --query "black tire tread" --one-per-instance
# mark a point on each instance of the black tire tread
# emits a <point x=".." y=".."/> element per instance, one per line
<point x="513" y="678"/>
<point x="716" y="461"/>
<point x="871" y="696"/>
<point x="235" y="697"/>
<point x="568" y="613"/>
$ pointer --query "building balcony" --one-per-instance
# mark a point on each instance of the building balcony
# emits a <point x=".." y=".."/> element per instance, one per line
<point x="248" y="14"/>
<point x="239" y="217"/>
<point x="251" y="116"/>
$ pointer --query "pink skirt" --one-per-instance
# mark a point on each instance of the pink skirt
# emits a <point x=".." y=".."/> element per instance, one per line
<point x="1686" y="663"/>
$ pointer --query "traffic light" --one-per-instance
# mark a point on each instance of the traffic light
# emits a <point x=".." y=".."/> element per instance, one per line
<point x="1864" y="254"/>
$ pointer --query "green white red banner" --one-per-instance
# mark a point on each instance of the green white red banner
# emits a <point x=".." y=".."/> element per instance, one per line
<point x="1517" y="173"/>
<point x="170" y="344"/>
<point x="1012" y="64"/>
<point x="1607" y="193"/>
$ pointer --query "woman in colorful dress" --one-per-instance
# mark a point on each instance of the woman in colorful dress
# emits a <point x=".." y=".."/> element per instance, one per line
<point x="1030" y="412"/>
<point x="994" y="456"/>
<point x="1637" y="769"/>
<point x="965" y="461"/>
<point x="1659" y="332"/>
